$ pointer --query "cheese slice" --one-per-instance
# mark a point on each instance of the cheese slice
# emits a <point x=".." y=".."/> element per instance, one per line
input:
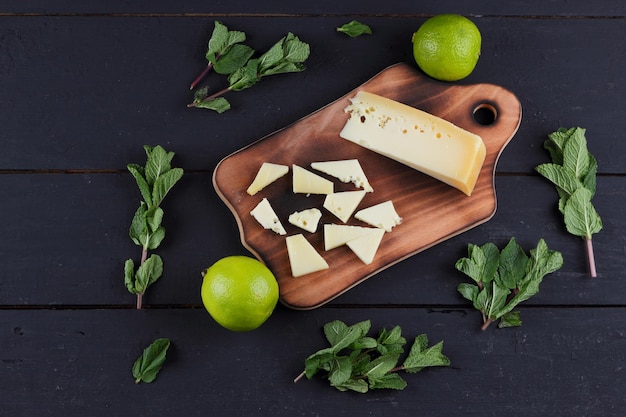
<point x="267" y="174"/>
<point x="336" y="235"/>
<point x="343" y="204"/>
<point x="348" y="170"/>
<point x="365" y="247"/>
<point x="307" y="182"/>
<point x="415" y="138"/>
<point x="303" y="257"/>
<point x="382" y="215"/>
<point x="306" y="219"/>
<point x="266" y="216"/>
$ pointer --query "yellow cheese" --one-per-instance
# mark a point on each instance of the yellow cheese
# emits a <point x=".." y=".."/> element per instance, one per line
<point x="303" y="257"/>
<point x="381" y="215"/>
<point x="348" y="170"/>
<point x="266" y="216"/>
<point x="343" y="204"/>
<point x="306" y="182"/>
<point x="306" y="219"/>
<point x="365" y="247"/>
<point x="336" y="235"/>
<point x="267" y="174"/>
<point x="415" y="138"/>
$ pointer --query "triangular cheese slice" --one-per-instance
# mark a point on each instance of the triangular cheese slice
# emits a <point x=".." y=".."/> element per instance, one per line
<point x="348" y="170"/>
<point x="365" y="247"/>
<point x="266" y="216"/>
<point x="336" y="235"/>
<point x="343" y="204"/>
<point x="381" y="215"/>
<point x="267" y="174"/>
<point x="306" y="219"/>
<point x="303" y="257"/>
<point x="306" y="182"/>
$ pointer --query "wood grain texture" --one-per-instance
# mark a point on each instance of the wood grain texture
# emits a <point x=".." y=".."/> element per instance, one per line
<point x="432" y="211"/>
<point x="77" y="363"/>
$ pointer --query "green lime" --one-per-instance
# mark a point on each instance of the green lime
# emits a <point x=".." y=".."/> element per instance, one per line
<point x="447" y="47"/>
<point x="239" y="292"/>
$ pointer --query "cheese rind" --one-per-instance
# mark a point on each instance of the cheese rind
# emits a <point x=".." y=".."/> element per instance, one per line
<point x="267" y="174"/>
<point x="336" y="235"/>
<point x="307" y="182"/>
<point x="348" y="170"/>
<point x="382" y="215"/>
<point x="415" y="138"/>
<point x="343" y="204"/>
<point x="266" y="216"/>
<point x="365" y="247"/>
<point x="306" y="219"/>
<point x="303" y="258"/>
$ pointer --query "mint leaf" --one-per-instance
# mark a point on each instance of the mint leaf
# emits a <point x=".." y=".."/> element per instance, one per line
<point x="341" y="369"/>
<point x="421" y="356"/>
<point x="354" y="29"/>
<point x="164" y="183"/>
<point x="129" y="276"/>
<point x="388" y="381"/>
<point x="148" y="365"/>
<point x="511" y="319"/>
<point x="512" y="265"/>
<point x="147" y="273"/>
<point x="234" y="59"/>
<point x="575" y="154"/>
<point x="381" y="365"/>
<point x="144" y="188"/>
<point x="573" y="170"/>
<point x="581" y="218"/>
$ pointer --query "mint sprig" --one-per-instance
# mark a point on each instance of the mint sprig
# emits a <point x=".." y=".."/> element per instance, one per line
<point x="357" y="362"/>
<point x="155" y="181"/>
<point x="504" y="279"/>
<point x="354" y="29"/>
<point x="285" y="56"/>
<point x="573" y="172"/>
<point x="148" y="365"/>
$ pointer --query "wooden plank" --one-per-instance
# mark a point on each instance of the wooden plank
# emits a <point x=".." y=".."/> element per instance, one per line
<point x="483" y="7"/>
<point x="126" y="81"/>
<point x="65" y="239"/>
<point x="77" y="363"/>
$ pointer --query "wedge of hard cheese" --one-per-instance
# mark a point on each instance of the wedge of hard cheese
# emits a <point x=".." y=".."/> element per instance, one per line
<point x="415" y="138"/>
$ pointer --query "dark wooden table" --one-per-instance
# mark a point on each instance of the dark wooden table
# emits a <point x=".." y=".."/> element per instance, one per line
<point x="84" y="86"/>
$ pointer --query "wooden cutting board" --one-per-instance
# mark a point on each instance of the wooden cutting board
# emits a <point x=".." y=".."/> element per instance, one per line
<point x="431" y="210"/>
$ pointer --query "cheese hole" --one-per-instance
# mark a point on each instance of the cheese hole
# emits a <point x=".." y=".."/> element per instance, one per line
<point x="485" y="114"/>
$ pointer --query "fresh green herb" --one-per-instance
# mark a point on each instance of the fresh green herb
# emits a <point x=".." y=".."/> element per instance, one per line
<point x="148" y="365"/>
<point x="357" y="362"/>
<point x="503" y="279"/>
<point x="225" y="53"/>
<point x="155" y="180"/>
<point x="573" y="172"/>
<point x="287" y="55"/>
<point x="354" y="29"/>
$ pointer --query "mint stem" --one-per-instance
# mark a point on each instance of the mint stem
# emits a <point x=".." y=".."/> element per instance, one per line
<point x="590" y="258"/>
<point x="144" y="256"/>
<point x="299" y="377"/>
<point x="212" y="96"/>
<point x="486" y="324"/>
<point x="201" y="76"/>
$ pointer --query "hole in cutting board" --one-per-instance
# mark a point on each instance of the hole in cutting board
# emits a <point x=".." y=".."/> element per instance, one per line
<point x="485" y="114"/>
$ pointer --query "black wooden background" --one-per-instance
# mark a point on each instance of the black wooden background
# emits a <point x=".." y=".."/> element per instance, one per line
<point x="84" y="85"/>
